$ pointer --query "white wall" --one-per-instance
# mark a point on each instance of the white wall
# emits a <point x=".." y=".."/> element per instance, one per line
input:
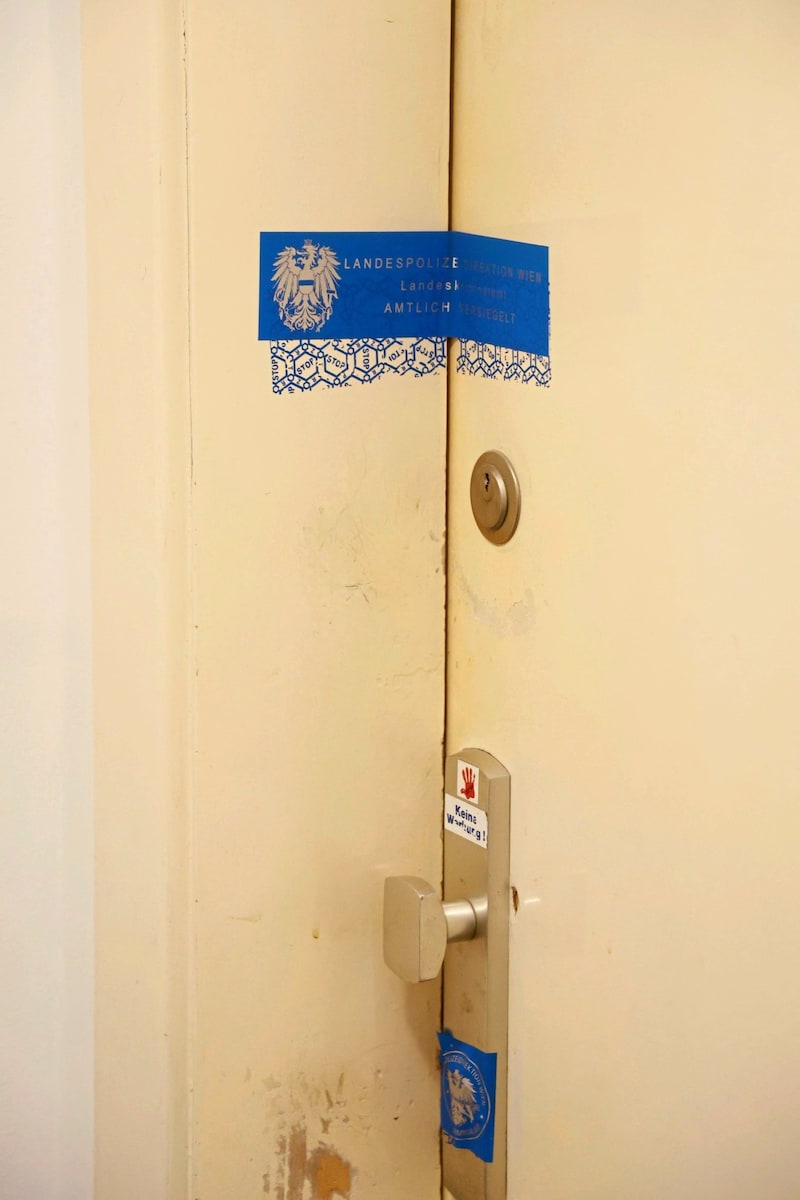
<point x="46" y="977"/>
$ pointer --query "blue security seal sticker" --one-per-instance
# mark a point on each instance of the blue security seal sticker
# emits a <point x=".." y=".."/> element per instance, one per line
<point x="433" y="284"/>
<point x="356" y="285"/>
<point x="469" y="1089"/>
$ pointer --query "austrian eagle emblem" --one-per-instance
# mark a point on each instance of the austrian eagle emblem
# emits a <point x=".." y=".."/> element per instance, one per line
<point x="463" y="1102"/>
<point x="305" y="285"/>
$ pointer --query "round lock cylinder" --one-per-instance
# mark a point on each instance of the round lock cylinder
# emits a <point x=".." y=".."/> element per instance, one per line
<point x="495" y="497"/>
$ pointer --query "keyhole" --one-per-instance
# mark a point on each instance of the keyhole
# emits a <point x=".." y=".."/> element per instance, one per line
<point x="494" y="496"/>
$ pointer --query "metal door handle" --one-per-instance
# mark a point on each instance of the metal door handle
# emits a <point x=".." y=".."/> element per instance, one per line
<point x="417" y="926"/>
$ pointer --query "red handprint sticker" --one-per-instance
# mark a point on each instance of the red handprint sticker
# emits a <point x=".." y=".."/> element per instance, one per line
<point x="468" y="788"/>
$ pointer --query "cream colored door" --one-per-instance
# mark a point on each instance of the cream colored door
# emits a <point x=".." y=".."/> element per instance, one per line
<point x="269" y="599"/>
<point x="633" y="654"/>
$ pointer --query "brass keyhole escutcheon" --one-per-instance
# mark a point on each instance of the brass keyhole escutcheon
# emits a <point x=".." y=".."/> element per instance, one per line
<point x="495" y="496"/>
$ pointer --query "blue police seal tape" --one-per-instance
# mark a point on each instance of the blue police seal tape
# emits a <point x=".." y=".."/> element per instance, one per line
<point x="413" y="285"/>
<point x="468" y="1094"/>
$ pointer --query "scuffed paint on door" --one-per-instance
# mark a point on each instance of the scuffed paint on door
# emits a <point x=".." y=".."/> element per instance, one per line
<point x="323" y="1169"/>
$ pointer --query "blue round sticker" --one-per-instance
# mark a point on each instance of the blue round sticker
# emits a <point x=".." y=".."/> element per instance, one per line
<point x="465" y="1097"/>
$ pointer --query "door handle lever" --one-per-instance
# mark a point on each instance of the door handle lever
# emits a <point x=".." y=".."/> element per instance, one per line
<point x="417" y="926"/>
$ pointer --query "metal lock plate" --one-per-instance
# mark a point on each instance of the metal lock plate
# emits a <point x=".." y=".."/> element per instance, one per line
<point x="467" y="930"/>
<point x="495" y="496"/>
<point x="476" y="863"/>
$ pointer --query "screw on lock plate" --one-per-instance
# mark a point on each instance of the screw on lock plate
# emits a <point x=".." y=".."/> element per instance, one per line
<point x="495" y="496"/>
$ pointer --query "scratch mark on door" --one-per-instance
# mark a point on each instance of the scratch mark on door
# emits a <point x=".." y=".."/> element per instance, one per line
<point x="297" y="1162"/>
<point x="280" y="1172"/>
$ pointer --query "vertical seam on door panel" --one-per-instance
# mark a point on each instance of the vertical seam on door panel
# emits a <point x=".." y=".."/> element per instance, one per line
<point x="446" y="546"/>
<point x="191" y="922"/>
